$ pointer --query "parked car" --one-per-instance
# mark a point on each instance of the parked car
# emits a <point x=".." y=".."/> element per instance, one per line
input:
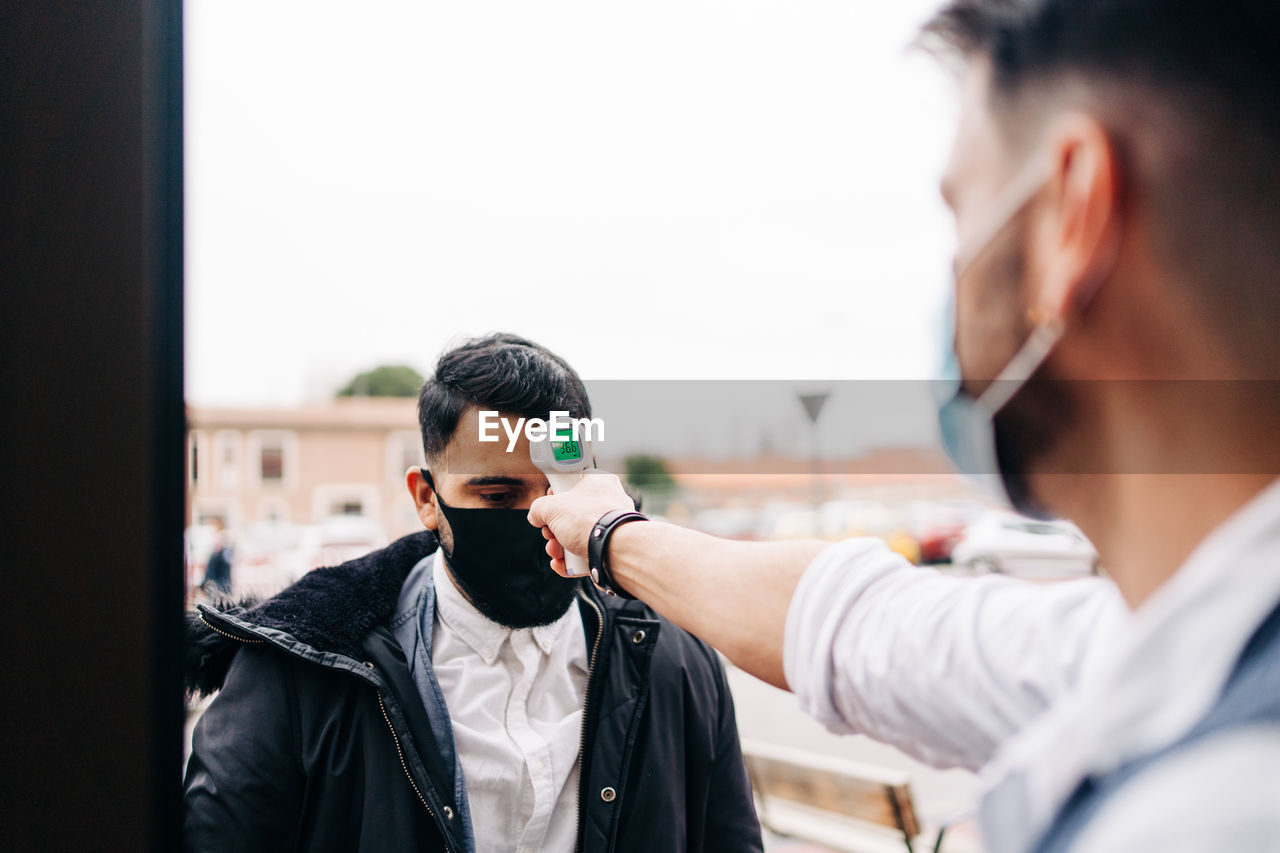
<point x="938" y="542"/>
<point x="727" y="522"/>
<point x="841" y="519"/>
<point x="938" y="526"/>
<point x="261" y="567"/>
<point x="903" y="543"/>
<point x="1004" y="542"/>
<point x="339" y="538"/>
<point x="272" y="555"/>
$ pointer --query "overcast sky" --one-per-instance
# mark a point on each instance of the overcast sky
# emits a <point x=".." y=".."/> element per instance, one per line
<point x="654" y="190"/>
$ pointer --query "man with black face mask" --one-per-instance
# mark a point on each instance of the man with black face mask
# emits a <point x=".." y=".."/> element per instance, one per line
<point x="496" y="560"/>
<point x="465" y="697"/>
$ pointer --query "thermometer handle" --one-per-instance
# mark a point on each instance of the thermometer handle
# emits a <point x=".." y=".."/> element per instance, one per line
<point x="576" y="565"/>
<point x="560" y="483"/>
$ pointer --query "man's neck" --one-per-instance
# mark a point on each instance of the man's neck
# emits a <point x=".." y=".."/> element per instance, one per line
<point x="1169" y="461"/>
<point x="1146" y="525"/>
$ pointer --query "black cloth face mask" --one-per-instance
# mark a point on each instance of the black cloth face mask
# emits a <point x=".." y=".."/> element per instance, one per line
<point x="500" y="561"/>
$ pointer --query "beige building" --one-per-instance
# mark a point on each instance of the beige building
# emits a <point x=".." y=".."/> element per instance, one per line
<point x="304" y="464"/>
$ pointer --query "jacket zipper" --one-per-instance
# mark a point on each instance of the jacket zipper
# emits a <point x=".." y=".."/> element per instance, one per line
<point x="230" y="636"/>
<point x="405" y="766"/>
<point x="396" y="738"/>
<point x="586" y="697"/>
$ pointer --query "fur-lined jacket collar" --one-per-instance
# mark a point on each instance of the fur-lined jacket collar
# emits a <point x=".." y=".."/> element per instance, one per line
<point x="329" y="609"/>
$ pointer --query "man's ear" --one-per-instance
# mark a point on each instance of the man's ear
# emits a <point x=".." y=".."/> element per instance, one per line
<point x="1084" y="234"/>
<point x="421" y="490"/>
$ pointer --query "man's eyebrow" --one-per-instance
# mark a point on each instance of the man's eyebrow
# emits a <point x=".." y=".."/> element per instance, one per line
<point x="494" y="480"/>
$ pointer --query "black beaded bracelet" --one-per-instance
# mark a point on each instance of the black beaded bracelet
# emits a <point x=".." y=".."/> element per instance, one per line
<point x="598" y="549"/>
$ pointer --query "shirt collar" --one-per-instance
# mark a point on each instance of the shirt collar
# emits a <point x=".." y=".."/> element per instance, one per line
<point x="482" y="634"/>
<point x="1167" y="668"/>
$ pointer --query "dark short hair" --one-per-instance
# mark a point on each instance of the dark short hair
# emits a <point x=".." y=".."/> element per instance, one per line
<point x="501" y="372"/>
<point x="1225" y="48"/>
<point x="1190" y="92"/>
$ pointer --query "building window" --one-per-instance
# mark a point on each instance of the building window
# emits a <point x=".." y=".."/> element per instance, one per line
<point x="195" y="457"/>
<point x="273" y="457"/>
<point x="346" y="499"/>
<point x="347" y="508"/>
<point x="227" y="450"/>
<point x="271" y="463"/>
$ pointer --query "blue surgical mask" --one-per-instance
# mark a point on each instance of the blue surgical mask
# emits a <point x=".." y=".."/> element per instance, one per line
<point x="967" y="423"/>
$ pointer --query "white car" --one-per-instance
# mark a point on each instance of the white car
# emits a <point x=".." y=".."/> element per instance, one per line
<point x="727" y="522"/>
<point x="269" y="558"/>
<point x="1004" y="542"/>
<point x="339" y="538"/>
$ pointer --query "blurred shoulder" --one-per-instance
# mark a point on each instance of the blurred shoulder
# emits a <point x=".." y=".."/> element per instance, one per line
<point x="1220" y="793"/>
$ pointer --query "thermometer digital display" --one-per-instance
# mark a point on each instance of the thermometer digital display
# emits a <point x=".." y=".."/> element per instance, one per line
<point x="566" y="450"/>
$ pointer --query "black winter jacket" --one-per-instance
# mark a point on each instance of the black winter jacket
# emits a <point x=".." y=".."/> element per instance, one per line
<point x="318" y="740"/>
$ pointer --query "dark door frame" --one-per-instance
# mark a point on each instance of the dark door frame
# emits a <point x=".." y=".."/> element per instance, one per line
<point x="91" y="401"/>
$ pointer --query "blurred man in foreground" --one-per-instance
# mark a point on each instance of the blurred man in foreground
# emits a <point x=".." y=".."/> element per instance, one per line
<point x="1113" y="180"/>
<point x="465" y="698"/>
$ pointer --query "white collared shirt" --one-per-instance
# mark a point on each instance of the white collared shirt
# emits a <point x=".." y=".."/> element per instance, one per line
<point x="515" y="700"/>
<point x="1049" y="684"/>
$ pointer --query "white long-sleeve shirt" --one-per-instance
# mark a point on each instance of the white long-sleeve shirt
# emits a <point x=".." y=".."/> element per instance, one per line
<point x="515" y="702"/>
<point x="1041" y="686"/>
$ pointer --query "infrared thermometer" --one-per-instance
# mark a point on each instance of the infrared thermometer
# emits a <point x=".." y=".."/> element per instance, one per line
<point x="564" y="461"/>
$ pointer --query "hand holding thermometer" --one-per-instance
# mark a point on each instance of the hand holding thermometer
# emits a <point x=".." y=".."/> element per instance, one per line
<point x="564" y="460"/>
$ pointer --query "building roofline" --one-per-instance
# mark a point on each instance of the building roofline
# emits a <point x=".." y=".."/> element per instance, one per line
<point x="387" y="413"/>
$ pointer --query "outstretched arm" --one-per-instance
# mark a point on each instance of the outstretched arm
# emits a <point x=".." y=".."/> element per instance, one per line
<point x="944" y="668"/>
<point x="732" y="594"/>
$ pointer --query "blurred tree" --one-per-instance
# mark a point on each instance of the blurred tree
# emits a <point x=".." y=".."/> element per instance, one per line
<point x="649" y="473"/>
<point x="388" y="380"/>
